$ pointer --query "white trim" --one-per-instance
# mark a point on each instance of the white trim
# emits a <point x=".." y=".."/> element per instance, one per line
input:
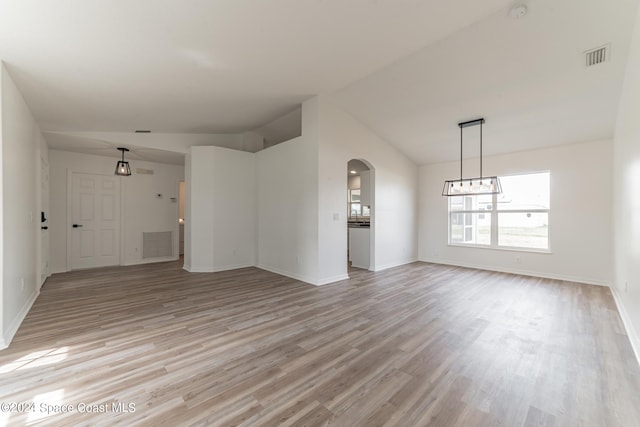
<point x="68" y="221"/>
<point x="232" y="267"/>
<point x="150" y="261"/>
<point x="121" y="217"/>
<point x="495" y="212"/>
<point x="501" y="248"/>
<point x="632" y="333"/>
<point x="392" y="265"/>
<point x="42" y="281"/>
<point x="176" y="243"/>
<point x="215" y="269"/>
<point x="197" y="270"/>
<point x="332" y="279"/>
<point x="288" y="274"/>
<point x="17" y="321"/>
<point x="577" y="279"/>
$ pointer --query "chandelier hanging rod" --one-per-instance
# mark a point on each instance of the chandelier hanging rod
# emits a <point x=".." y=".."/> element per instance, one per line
<point x="466" y="124"/>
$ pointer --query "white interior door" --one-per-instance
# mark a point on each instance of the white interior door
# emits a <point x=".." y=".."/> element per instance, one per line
<point x="44" y="219"/>
<point x="95" y="220"/>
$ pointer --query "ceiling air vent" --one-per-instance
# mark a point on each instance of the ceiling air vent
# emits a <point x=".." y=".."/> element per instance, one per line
<point x="597" y="56"/>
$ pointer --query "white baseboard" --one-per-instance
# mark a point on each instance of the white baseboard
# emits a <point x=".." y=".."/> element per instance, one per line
<point x="296" y="276"/>
<point x="577" y="279"/>
<point x="233" y="267"/>
<point x="150" y="261"/>
<point x="306" y="279"/>
<point x="17" y="321"/>
<point x="332" y="279"/>
<point x="197" y="269"/>
<point x="42" y="282"/>
<point x="215" y="269"/>
<point x="393" y="264"/>
<point x="632" y="333"/>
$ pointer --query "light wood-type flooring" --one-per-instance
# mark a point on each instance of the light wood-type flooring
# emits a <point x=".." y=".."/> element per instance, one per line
<point x="417" y="345"/>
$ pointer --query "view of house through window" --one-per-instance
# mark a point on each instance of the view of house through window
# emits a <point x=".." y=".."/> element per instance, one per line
<point x="517" y="218"/>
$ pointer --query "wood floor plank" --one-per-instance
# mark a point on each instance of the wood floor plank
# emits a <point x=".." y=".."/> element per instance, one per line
<point x="416" y="345"/>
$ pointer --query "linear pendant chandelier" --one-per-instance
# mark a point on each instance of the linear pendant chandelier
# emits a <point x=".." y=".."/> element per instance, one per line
<point x="471" y="186"/>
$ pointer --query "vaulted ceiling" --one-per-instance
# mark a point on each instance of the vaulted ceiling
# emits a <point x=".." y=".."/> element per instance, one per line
<point x="408" y="69"/>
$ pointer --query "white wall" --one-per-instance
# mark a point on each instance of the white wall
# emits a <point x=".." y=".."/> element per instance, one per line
<point x="626" y="195"/>
<point x="353" y="182"/>
<point x="174" y="142"/>
<point x="222" y="209"/>
<point x="394" y="199"/>
<point x="198" y="229"/>
<point x="142" y="211"/>
<point x="3" y="343"/>
<point x="20" y="216"/>
<point x="288" y="208"/>
<point x="580" y="215"/>
<point x="188" y="184"/>
<point x="301" y="194"/>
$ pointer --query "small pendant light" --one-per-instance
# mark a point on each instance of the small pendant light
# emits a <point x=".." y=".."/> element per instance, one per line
<point x="122" y="167"/>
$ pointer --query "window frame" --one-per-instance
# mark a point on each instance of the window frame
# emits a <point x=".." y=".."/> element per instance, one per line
<point x="495" y="212"/>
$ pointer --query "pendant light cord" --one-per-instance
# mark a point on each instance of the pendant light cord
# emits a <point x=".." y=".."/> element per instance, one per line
<point x="460" y="154"/>
<point x="481" y="150"/>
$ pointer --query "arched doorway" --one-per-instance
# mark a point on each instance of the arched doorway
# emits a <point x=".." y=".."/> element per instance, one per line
<point x="360" y="214"/>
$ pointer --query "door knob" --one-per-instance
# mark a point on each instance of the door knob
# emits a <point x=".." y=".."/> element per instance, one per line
<point x="45" y="227"/>
<point x="76" y="225"/>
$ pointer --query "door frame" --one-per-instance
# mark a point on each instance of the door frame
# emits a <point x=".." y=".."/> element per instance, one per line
<point x="119" y="227"/>
<point x="43" y="252"/>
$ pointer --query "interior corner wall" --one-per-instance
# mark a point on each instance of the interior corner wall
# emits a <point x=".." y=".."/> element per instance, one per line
<point x="394" y="199"/>
<point x="288" y="207"/>
<point x="20" y="226"/>
<point x="3" y="343"/>
<point x="579" y="219"/>
<point x="188" y="181"/>
<point x="198" y="239"/>
<point x="221" y="213"/>
<point x="142" y="210"/>
<point x="626" y="195"/>
<point x="300" y="185"/>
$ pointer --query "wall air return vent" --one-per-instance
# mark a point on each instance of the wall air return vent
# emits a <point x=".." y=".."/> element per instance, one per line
<point x="597" y="56"/>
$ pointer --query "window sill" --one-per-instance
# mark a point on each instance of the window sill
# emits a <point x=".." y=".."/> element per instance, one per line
<point x="502" y="248"/>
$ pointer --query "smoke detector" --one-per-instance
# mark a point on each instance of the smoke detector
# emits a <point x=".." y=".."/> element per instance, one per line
<point x="517" y="11"/>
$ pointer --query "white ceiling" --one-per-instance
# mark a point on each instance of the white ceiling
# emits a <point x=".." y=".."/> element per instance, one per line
<point x="409" y="69"/>
<point x="526" y="77"/>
